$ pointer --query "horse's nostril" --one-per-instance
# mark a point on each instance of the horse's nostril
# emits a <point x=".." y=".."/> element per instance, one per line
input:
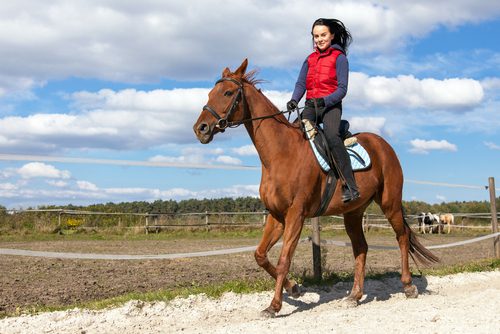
<point x="203" y="128"/>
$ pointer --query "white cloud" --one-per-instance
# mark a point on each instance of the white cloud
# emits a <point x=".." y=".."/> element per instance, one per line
<point x="126" y="119"/>
<point x="39" y="169"/>
<point x="7" y="173"/>
<point x="225" y="159"/>
<point x="233" y="191"/>
<point x="491" y="145"/>
<point x="57" y="183"/>
<point x="110" y="119"/>
<point x="406" y="91"/>
<point x="130" y="191"/>
<point x="7" y="186"/>
<point x="182" y="193"/>
<point x="278" y="98"/>
<point x="368" y="124"/>
<point x="88" y="193"/>
<point x="491" y="86"/>
<point x="246" y="150"/>
<point x="192" y="159"/>
<point x="134" y="41"/>
<point x="424" y="146"/>
<point x="138" y="194"/>
<point x="191" y="155"/>
<point x="18" y="87"/>
<point x="177" y="193"/>
<point x="8" y="190"/>
<point x="88" y="186"/>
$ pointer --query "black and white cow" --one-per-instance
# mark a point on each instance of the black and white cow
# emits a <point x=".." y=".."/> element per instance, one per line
<point x="428" y="222"/>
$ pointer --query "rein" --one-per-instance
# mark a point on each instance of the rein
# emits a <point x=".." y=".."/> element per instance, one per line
<point x="223" y="122"/>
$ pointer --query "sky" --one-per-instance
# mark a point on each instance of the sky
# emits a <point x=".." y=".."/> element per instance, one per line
<point x="126" y="80"/>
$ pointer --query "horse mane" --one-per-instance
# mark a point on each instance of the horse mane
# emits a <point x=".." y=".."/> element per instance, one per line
<point x="251" y="78"/>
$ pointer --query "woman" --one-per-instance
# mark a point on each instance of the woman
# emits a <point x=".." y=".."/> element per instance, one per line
<point x="324" y="76"/>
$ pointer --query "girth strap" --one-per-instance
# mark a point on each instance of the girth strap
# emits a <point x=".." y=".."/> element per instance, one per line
<point x="331" y="184"/>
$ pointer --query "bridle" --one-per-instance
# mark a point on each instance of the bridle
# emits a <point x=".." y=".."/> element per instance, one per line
<point x="223" y="122"/>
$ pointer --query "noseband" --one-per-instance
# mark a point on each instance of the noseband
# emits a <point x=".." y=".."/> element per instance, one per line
<point x="223" y="122"/>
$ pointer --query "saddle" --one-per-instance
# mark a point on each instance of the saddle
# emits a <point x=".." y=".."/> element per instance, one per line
<point x="359" y="158"/>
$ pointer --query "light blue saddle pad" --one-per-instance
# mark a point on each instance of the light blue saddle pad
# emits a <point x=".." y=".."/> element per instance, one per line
<point x="359" y="157"/>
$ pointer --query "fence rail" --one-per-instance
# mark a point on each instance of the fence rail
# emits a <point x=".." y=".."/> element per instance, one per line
<point x="154" y="222"/>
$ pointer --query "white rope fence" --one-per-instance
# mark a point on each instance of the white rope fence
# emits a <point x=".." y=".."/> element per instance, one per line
<point x="92" y="256"/>
<point x="449" y="245"/>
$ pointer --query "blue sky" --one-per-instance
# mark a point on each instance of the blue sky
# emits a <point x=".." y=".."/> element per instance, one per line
<point x="126" y="80"/>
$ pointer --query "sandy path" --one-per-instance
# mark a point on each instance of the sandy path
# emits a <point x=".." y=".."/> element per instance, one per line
<point x="462" y="303"/>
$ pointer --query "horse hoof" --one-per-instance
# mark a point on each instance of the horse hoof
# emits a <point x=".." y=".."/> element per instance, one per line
<point x="350" y="302"/>
<point x="268" y="313"/>
<point x="411" y="291"/>
<point x="294" y="291"/>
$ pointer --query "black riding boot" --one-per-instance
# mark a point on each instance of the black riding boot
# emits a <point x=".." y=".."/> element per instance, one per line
<point x="350" y="190"/>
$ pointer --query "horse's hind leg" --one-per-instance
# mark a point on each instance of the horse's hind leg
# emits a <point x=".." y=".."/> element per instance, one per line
<point x="273" y="231"/>
<point x="354" y="229"/>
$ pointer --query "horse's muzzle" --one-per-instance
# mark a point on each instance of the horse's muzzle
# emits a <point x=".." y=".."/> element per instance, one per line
<point x="203" y="132"/>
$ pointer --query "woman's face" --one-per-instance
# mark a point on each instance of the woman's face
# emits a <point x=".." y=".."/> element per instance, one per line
<point x="322" y="37"/>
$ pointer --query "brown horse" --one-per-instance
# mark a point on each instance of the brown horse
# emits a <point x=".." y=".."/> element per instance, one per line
<point x="292" y="183"/>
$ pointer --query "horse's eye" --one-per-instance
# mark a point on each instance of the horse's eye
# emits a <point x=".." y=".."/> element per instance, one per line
<point x="228" y="93"/>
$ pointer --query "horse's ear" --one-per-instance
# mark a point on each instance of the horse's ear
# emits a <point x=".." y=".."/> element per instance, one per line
<point x="242" y="69"/>
<point x="226" y="72"/>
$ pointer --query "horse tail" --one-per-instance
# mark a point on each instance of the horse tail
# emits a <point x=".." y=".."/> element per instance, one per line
<point x="418" y="252"/>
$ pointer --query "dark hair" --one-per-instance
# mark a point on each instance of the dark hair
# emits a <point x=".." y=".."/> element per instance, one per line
<point x="342" y="36"/>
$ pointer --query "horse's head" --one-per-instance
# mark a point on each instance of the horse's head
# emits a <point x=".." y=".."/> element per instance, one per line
<point x="226" y="105"/>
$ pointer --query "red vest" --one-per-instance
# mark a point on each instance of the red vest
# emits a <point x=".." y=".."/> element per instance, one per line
<point x="321" y="79"/>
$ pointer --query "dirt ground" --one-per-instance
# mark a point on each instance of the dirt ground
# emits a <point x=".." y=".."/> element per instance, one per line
<point x="458" y="303"/>
<point x="32" y="281"/>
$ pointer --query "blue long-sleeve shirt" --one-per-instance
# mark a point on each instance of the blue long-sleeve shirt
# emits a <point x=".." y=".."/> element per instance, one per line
<point x="342" y="69"/>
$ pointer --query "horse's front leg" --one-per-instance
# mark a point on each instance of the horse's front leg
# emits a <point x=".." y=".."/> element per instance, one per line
<point x="354" y="228"/>
<point x="291" y="236"/>
<point x="272" y="233"/>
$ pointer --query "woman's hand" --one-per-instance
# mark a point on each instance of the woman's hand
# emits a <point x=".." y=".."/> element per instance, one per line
<point x="291" y="105"/>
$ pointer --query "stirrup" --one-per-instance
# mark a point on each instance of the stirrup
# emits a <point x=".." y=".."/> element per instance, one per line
<point x="349" y="195"/>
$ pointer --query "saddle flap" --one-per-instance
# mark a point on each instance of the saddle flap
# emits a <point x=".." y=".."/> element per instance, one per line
<point x="359" y="158"/>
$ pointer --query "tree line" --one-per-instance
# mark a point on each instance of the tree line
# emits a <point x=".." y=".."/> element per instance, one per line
<point x="225" y="204"/>
<point x="252" y="204"/>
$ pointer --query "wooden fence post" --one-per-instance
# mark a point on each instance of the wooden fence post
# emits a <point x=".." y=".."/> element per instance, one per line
<point x="494" y="220"/>
<point x="206" y="221"/>
<point x="264" y="217"/>
<point x="316" y="248"/>
<point x="59" y="219"/>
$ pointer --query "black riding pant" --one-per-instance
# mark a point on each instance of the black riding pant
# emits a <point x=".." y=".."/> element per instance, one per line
<point x="330" y="117"/>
